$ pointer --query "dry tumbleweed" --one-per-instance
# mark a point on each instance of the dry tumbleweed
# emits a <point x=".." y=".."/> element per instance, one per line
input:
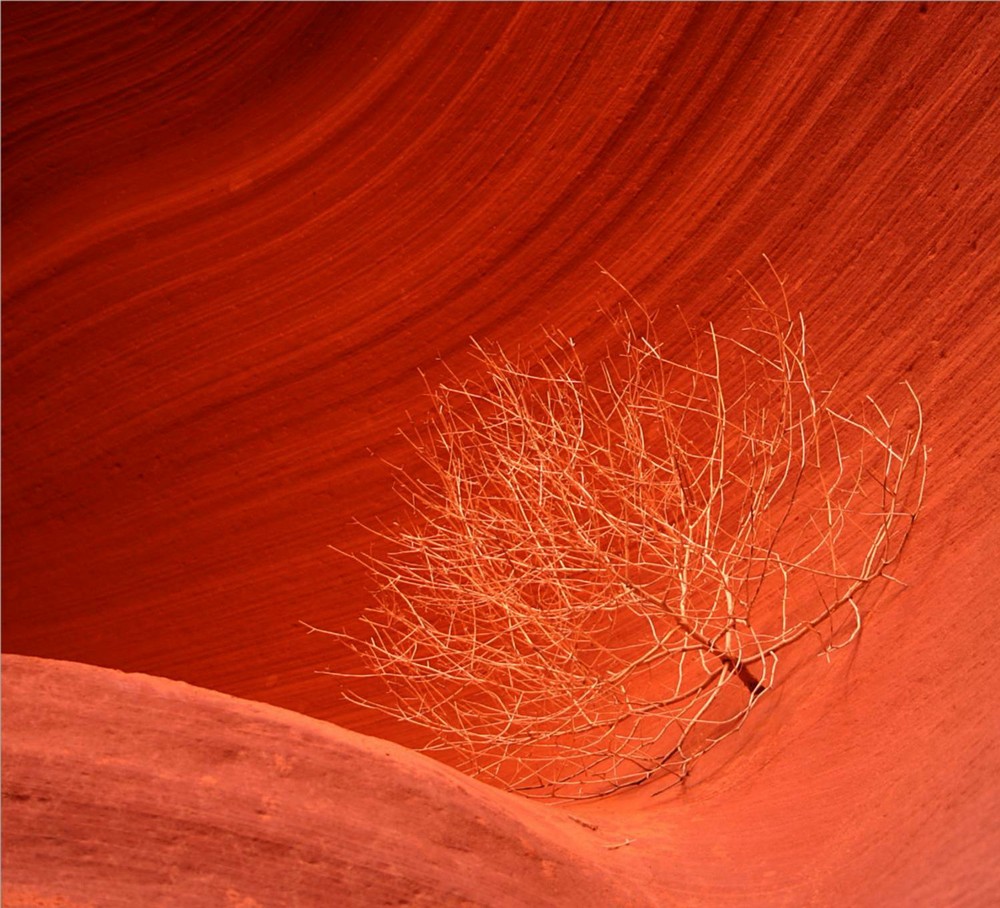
<point x="605" y="561"/>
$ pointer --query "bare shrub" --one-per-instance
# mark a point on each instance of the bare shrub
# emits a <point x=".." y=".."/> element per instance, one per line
<point x="604" y="561"/>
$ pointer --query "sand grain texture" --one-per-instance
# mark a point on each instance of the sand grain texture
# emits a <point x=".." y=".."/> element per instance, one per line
<point x="133" y="790"/>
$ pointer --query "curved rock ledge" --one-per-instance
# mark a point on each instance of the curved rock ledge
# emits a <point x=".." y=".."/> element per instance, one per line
<point x="123" y="789"/>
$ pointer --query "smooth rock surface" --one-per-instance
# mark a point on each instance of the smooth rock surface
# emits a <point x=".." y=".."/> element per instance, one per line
<point x="131" y="790"/>
<point x="235" y="234"/>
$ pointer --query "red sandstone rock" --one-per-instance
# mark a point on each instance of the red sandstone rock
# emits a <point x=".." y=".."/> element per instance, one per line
<point x="233" y="234"/>
<point x="130" y="790"/>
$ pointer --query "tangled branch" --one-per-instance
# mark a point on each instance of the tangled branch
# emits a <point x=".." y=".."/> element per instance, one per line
<point x="604" y="562"/>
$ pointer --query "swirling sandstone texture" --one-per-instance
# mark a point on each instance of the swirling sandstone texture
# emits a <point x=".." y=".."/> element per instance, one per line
<point x="234" y="237"/>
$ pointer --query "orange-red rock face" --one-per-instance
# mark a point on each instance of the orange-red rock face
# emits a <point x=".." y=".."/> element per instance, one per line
<point x="130" y="790"/>
<point x="234" y="234"/>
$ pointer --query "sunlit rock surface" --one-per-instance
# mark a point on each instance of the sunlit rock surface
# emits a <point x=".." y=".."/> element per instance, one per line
<point x="234" y="235"/>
